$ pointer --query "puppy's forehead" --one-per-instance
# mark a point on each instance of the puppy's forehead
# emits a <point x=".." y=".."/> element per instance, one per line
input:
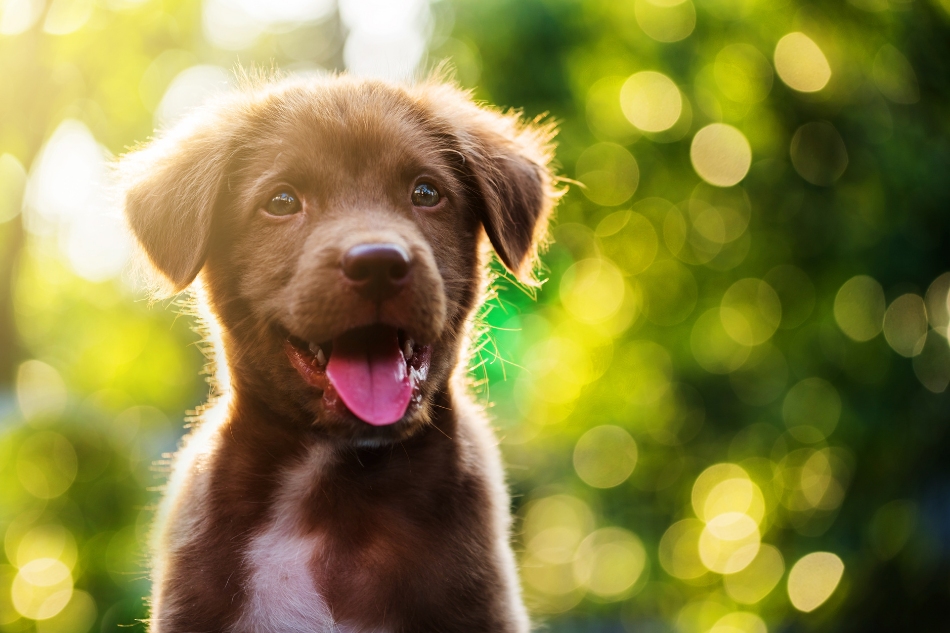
<point x="354" y="130"/>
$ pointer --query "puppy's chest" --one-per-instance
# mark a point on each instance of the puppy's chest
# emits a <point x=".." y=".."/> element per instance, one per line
<point x="286" y="567"/>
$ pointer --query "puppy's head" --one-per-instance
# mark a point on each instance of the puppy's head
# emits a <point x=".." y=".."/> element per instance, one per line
<point x="337" y="226"/>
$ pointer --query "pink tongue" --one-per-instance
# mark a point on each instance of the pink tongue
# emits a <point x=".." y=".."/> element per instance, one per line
<point x="368" y="370"/>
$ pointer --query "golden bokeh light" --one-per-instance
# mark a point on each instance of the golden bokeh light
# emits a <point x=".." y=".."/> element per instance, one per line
<point x="742" y="73"/>
<point x="801" y="64"/>
<point x="818" y="153"/>
<point x="735" y="495"/>
<point x="859" y="308"/>
<point x="609" y="172"/>
<point x="651" y="101"/>
<point x="809" y="479"/>
<point x="713" y="348"/>
<point x="708" y="480"/>
<point x="609" y="562"/>
<point x="46" y="465"/>
<point x="679" y="550"/>
<point x="813" y="579"/>
<point x="555" y="525"/>
<point x="47" y="541"/>
<point x="895" y="77"/>
<point x="605" y="456"/>
<point x="720" y="154"/>
<point x="732" y="205"/>
<point x="739" y="622"/>
<point x="729" y="542"/>
<point x="592" y="290"/>
<point x="694" y="237"/>
<point x="553" y="528"/>
<point x="750" y="311"/>
<point x="605" y="117"/>
<point x="77" y="616"/>
<point x="629" y="240"/>
<point x="905" y="325"/>
<point x="932" y="365"/>
<point x="40" y="390"/>
<point x="937" y="301"/>
<point x="42" y="588"/>
<point x="811" y="410"/>
<point x="758" y="579"/>
<point x="666" y="21"/>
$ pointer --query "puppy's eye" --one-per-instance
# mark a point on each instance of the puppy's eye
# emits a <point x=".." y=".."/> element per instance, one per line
<point x="284" y="203"/>
<point x="425" y="195"/>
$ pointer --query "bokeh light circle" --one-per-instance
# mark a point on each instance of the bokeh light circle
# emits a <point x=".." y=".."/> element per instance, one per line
<point x="679" y="550"/>
<point x="894" y="76"/>
<point x="742" y="73"/>
<point x="729" y="542"/>
<point x="860" y="307"/>
<point x="651" y="101"/>
<point x="666" y="21"/>
<point x="905" y="325"/>
<point x="609" y="562"/>
<point x="42" y="588"/>
<point x="758" y="579"/>
<point x="609" y="172"/>
<point x="592" y="290"/>
<point x="813" y="579"/>
<point x="750" y="311"/>
<point x="739" y="622"/>
<point x="605" y="456"/>
<point x="629" y="240"/>
<point x="713" y="348"/>
<point x="720" y="154"/>
<point x="800" y="63"/>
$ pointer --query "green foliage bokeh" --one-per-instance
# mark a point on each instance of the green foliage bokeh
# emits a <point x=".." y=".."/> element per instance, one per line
<point x="772" y="350"/>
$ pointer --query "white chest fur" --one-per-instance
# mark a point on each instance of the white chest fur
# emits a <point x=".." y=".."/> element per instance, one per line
<point x="280" y="594"/>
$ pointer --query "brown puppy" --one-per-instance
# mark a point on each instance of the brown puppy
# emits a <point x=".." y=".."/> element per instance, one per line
<point x="337" y="229"/>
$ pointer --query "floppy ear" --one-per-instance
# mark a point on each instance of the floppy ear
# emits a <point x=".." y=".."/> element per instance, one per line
<point x="509" y="162"/>
<point x="169" y="190"/>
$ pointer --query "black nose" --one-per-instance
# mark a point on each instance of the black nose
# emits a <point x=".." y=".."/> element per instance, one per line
<point x="377" y="271"/>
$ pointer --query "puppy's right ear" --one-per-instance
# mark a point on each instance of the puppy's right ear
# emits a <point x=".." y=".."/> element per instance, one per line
<point x="169" y="191"/>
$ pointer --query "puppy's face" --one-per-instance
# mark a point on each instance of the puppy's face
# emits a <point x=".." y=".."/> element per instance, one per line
<point x="338" y="229"/>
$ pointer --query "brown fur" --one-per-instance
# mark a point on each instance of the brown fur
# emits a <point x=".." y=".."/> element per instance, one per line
<point x="404" y="527"/>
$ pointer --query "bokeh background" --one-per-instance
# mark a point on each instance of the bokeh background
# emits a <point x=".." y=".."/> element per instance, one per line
<point x="724" y="411"/>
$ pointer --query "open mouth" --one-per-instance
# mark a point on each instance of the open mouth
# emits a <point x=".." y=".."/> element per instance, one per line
<point x="374" y="371"/>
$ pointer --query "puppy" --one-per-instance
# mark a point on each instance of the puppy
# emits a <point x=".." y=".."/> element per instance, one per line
<point x="339" y="231"/>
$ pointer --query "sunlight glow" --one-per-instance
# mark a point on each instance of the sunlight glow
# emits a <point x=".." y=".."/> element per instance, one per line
<point x="813" y="579"/>
<point x="651" y="101"/>
<point x="605" y="456"/>
<point x="801" y="64"/>
<point x="721" y="154"/>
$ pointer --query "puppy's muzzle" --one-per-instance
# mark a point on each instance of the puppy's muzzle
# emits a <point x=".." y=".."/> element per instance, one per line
<point x="377" y="271"/>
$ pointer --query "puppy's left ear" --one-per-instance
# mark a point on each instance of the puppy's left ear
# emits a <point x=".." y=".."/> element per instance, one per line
<point x="508" y="161"/>
<point x="169" y="190"/>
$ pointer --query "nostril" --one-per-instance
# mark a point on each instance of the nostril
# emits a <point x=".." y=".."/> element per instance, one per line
<point x="378" y="270"/>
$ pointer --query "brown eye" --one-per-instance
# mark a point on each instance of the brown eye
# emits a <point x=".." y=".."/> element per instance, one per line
<point x="425" y="195"/>
<point x="284" y="203"/>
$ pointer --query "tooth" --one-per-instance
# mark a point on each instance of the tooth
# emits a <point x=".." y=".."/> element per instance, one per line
<point x="317" y="351"/>
<point x="407" y="348"/>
